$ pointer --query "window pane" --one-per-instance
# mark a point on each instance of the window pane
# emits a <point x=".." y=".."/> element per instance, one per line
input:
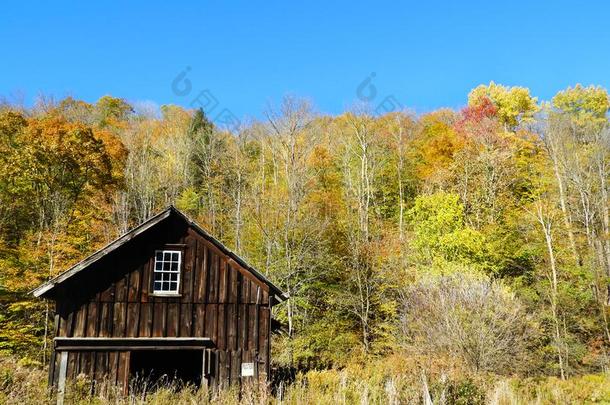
<point x="166" y="271"/>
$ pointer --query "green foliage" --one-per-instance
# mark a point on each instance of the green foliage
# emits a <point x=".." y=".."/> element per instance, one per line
<point x="440" y="232"/>
<point x="21" y="326"/>
<point x="465" y="392"/>
<point x="112" y="111"/>
<point x="587" y="105"/>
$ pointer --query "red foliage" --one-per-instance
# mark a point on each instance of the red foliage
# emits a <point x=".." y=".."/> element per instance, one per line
<point x="474" y="115"/>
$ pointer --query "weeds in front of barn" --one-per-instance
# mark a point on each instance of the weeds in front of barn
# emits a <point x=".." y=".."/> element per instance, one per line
<point x="387" y="381"/>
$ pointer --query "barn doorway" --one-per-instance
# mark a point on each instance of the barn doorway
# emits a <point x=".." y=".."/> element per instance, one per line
<point x="152" y="369"/>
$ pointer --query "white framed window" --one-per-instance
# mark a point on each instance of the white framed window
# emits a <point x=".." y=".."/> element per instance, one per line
<point x="167" y="271"/>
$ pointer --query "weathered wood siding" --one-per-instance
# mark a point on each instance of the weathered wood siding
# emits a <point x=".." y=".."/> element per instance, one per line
<point x="219" y="299"/>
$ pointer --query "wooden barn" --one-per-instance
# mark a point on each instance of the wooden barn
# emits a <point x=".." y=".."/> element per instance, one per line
<point x="166" y="298"/>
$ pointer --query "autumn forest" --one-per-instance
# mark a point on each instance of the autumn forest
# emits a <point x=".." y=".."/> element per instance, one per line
<point x="455" y="255"/>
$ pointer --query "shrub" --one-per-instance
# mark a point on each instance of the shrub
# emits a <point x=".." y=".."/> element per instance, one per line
<point x="468" y="317"/>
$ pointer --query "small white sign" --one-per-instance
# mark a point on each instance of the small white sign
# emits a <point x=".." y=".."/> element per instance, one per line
<point x="247" y="369"/>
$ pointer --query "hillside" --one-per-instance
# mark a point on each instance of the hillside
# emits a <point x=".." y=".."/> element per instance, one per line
<point x="459" y="253"/>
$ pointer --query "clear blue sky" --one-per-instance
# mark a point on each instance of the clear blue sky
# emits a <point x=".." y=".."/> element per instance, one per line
<point x="426" y="54"/>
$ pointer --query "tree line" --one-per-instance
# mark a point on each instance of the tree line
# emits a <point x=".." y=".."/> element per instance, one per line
<point x="481" y="235"/>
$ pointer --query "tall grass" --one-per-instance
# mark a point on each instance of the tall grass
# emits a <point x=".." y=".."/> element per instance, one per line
<point x="392" y="380"/>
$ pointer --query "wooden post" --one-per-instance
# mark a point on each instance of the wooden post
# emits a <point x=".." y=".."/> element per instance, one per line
<point x="61" y="382"/>
<point x="205" y="367"/>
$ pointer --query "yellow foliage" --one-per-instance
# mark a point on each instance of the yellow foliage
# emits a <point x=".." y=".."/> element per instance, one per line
<point x="515" y="104"/>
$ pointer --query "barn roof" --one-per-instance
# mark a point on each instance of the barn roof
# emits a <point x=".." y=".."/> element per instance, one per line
<point x="46" y="288"/>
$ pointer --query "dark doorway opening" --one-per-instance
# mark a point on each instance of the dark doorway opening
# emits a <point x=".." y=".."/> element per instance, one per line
<point x="151" y="369"/>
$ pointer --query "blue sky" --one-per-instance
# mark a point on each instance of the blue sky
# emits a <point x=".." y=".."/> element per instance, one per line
<point x="247" y="54"/>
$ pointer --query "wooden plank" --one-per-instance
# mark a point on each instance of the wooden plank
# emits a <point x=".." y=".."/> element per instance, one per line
<point x="251" y="345"/>
<point x="133" y="319"/>
<point x="246" y="273"/>
<point x="113" y="362"/>
<point x="73" y="365"/>
<point x="135" y="279"/>
<point x="235" y="366"/>
<point x="80" y="321"/>
<point x="98" y="372"/>
<point x="85" y="349"/>
<point x="213" y="376"/>
<point x="207" y="269"/>
<point x="243" y="330"/>
<point x="146" y="281"/>
<point x="213" y="279"/>
<point x="199" y="323"/>
<point x="81" y="348"/>
<point x="52" y="368"/>
<point x="105" y="320"/>
<point x="244" y="285"/>
<point x="70" y="320"/>
<point x="212" y="247"/>
<point x="264" y="297"/>
<point x="92" y="319"/>
<point x="113" y="344"/>
<point x="107" y="295"/>
<point x="217" y="369"/>
<point x="158" y="325"/>
<point x="230" y="320"/>
<point x="234" y="314"/>
<point x="224" y="369"/>
<point x="186" y="285"/>
<point x="202" y="274"/>
<point x="120" y="288"/>
<point x="211" y="314"/>
<point x="256" y="293"/>
<point x="263" y="339"/>
<point x="233" y="277"/>
<point x="164" y="312"/>
<point x="119" y="324"/>
<point x="63" y="318"/>
<point x="221" y="340"/>
<point x="123" y="371"/>
<point x="112" y="341"/>
<point x="173" y="318"/>
<point x="257" y="323"/>
<point x="186" y="320"/>
<point x="223" y="281"/>
<point x="83" y="364"/>
<point x="267" y="342"/>
<point x="89" y="361"/>
<point x="146" y="320"/>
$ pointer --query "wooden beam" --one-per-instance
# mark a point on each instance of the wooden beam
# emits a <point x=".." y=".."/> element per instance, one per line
<point x="145" y="343"/>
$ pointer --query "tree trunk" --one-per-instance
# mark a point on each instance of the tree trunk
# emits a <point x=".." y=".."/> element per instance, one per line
<point x="546" y="229"/>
